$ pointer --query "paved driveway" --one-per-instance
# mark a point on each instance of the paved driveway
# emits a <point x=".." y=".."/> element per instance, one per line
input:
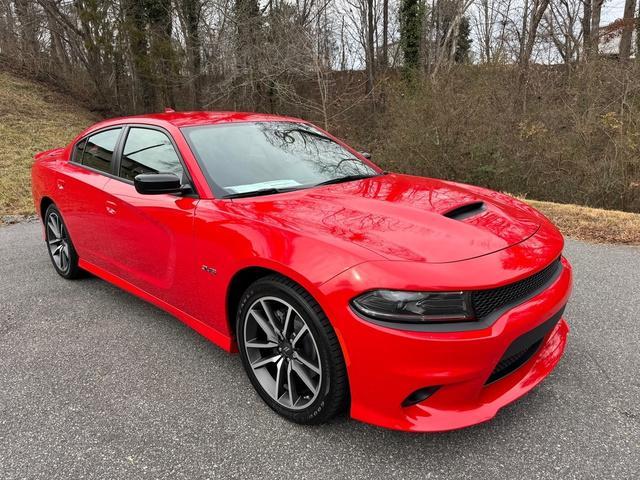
<point x="95" y="383"/>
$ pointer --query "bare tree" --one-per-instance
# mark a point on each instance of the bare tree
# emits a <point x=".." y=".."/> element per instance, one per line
<point x="531" y="21"/>
<point x="492" y="20"/>
<point x="448" y="19"/>
<point x="277" y="55"/>
<point x="562" y="27"/>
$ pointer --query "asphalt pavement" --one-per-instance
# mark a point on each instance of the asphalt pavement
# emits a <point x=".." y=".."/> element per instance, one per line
<point x="95" y="383"/>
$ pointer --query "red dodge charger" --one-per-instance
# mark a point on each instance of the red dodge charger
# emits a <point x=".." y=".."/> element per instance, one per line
<point x="415" y="303"/>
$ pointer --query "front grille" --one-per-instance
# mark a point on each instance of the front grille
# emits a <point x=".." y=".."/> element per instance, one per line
<point x="485" y="302"/>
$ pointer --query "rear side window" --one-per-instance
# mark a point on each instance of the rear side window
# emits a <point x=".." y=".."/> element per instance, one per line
<point x="98" y="153"/>
<point x="148" y="151"/>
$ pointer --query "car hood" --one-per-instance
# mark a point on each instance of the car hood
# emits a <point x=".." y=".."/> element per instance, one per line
<point x="401" y="217"/>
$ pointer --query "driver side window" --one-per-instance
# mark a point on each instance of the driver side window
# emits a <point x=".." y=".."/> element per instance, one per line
<point x="148" y="151"/>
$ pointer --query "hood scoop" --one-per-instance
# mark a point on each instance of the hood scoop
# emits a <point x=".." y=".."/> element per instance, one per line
<point x="465" y="211"/>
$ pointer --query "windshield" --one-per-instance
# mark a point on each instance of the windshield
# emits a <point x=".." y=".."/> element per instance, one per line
<point x="242" y="158"/>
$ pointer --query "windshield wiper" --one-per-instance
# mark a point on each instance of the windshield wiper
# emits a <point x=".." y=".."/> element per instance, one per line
<point x="308" y="132"/>
<point x="257" y="193"/>
<point x="347" y="178"/>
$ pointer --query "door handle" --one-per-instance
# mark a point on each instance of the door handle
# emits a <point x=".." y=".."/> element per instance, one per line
<point x="60" y="184"/>
<point x="111" y="207"/>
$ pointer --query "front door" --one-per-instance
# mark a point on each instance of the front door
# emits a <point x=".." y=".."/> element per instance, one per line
<point x="151" y="236"/>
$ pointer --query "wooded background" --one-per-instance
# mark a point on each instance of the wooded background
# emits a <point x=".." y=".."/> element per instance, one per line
<point x="534" y="97"/>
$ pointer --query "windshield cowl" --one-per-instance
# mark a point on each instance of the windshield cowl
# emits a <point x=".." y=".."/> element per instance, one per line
<point x="273" y="191"/>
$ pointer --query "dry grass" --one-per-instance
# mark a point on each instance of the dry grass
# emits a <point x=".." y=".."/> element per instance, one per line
<point x="32" y="119"/>
<point x="592" y="224"/>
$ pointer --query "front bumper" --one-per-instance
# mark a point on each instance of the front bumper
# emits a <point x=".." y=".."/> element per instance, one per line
<point x="385" y="365"/>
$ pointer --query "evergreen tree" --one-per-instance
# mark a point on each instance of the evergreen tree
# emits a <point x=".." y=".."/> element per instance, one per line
<point x="410" y="29"/>
<point x="463" y="45"/>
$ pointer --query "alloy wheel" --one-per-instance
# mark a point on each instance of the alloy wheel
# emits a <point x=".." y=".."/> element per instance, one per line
<point x="282" y="352"/>
<point x="58" y="242"/>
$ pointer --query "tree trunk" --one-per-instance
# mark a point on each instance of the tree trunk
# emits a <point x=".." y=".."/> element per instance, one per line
<point x="486" y="40"/>
<point x="537" y="12"/>
<point x="161" y="51"/>
<point x="58" y="52"/>
<point x="596" y="12"/>
<point x="247" y="16"/>
<point x="191" y="10"/>
<point x="370" y="49"/>
<point x="28" y="28"/>
<point x="523" y="32"/>
<point x="385" y="34"/>
<point x="638" y="34"/>
<point x="627" y="30"/>
<point x="136" y="27"/>
<point x="454" y="40"/>
<point x="587" y="43"/>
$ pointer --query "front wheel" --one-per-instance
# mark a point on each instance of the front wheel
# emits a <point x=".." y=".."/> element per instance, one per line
<point x="63" y="256"/>
<point x="290" y="351"/>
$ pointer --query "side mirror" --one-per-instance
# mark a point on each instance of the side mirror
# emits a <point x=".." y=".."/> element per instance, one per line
<point x="366" y="155"/>
<point x="157" y="183"/>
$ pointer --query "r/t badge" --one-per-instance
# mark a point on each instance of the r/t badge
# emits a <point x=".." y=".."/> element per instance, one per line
<point x="208" y="269"/>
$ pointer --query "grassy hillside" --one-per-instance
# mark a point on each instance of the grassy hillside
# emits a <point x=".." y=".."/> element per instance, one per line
<point x="32" y="119"/>
<point x="592" y="224"/>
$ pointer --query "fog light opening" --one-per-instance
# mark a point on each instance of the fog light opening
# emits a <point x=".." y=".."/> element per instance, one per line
<point x="420" y="395"/>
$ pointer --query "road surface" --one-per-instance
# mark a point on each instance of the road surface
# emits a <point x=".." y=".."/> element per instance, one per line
<point x="95" y="383"/>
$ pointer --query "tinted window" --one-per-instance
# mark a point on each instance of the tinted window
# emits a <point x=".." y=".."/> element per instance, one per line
<point x="98" y="152"/>
<point x="148" y="151"/>
<point x="245" y="157"/>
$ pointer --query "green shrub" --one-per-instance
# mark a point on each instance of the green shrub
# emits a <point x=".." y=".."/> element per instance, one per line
<point x="574" y="137"/>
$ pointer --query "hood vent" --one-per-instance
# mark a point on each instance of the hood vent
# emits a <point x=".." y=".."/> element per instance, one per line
<point x="465" y="211"/>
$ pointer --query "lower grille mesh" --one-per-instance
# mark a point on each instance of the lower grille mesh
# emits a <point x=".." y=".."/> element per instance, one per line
<point x="523" y="348"/>
<point x="508" y="365"/>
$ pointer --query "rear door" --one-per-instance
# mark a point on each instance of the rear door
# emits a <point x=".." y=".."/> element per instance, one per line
<point x="80" y="196"/>
<point x="151" y="236"/>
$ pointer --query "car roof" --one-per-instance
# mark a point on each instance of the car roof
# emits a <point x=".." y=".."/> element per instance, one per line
<point x="186" y="119"/>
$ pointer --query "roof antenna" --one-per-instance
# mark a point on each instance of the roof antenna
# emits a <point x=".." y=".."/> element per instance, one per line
<point x="169" y="110"/>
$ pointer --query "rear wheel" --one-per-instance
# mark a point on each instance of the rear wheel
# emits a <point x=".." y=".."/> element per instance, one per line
<point x="63" y="256"/>
<point x="290" y="351"/>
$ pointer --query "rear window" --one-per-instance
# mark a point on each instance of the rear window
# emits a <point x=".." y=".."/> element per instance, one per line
<point x="98" y="151"/>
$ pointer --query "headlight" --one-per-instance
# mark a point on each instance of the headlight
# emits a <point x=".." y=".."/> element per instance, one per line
<point x="414" y="307"/>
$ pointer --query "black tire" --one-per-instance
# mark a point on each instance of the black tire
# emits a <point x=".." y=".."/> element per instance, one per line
<point x="66" y="261"/>
<point x="332" y="392"/>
